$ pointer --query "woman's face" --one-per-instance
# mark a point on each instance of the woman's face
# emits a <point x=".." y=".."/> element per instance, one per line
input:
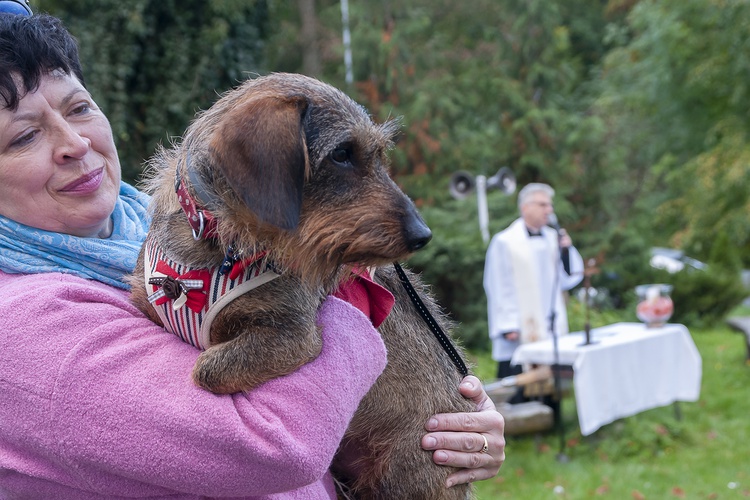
<point x="59" y="169"/>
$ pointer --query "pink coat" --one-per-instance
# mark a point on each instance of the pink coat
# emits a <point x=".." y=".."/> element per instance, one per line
<point x="96" y="402"/>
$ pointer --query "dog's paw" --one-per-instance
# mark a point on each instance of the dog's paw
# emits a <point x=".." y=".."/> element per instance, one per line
<point x="214" y="371"/>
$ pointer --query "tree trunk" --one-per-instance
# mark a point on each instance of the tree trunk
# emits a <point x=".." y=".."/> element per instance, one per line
<point x="309" y="38"/>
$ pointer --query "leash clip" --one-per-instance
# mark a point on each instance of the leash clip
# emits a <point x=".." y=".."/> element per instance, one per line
<point x="201" y="226"/>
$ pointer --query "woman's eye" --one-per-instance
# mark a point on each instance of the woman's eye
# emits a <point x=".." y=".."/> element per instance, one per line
<point x="80" y="109"/>
<point x="23" y="139"/>
<point x="342" y="157"/>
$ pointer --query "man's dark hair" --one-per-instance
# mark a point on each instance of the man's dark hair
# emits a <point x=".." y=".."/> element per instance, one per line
<point x="30" y="48"/>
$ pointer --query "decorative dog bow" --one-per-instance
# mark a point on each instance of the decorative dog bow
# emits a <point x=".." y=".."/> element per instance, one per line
<point x="189" y="289"/>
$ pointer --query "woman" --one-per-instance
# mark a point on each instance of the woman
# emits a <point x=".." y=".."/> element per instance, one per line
<point x="97" y="400"/>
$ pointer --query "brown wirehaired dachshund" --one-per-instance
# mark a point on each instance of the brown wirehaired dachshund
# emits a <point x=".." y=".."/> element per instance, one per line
<point x="276" y="195"/>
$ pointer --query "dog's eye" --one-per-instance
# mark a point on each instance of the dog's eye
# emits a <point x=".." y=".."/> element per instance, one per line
<point x="342" y="157"/>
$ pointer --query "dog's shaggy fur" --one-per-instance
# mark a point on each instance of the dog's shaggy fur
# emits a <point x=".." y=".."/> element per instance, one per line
<point x="418" y="382"/>
<point x="294" y="168"/>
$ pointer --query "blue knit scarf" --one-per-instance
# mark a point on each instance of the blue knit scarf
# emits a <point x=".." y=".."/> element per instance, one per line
<point x="25" y="249"/>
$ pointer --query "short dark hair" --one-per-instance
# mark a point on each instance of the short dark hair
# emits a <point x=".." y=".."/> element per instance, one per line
<point x="30" y="48"/>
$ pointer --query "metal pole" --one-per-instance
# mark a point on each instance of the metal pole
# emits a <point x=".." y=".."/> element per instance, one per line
<point x="347" y="42"/>
<point x="484" y="216"/>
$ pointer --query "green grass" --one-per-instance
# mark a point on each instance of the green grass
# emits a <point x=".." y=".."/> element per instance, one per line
<point x="652" y="455"/>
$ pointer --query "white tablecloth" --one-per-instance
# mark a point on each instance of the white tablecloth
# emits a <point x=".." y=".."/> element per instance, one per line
<point x="629" y="369"/>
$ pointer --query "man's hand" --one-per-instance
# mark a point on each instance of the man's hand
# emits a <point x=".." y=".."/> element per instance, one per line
<point x="512" y="336"/>
<point x="565" y="240"/>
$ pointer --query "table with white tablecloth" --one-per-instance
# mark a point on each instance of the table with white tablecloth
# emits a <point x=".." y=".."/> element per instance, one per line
<point x="629" y="368"/>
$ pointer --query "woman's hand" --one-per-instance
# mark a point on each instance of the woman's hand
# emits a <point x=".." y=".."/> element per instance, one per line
<point x="458" y="439"/>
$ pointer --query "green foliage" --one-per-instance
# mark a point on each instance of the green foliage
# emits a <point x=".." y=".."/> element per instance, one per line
<point x="675" y="98"/>
<point x="704" y="297"/>
<point x="717" y="177"/>
<point x="724" y="255"/>
<point x="477" y="91"/>
<point x="626" y="265"/>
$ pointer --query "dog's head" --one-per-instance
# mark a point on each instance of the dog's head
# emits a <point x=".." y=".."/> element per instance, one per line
<point x="303" y="170"/>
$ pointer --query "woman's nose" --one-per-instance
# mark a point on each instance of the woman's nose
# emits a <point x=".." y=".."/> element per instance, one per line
<point x="71" y="145"/>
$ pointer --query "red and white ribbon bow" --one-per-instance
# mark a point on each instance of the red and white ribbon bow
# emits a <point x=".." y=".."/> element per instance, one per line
<point x="189" y="289"/>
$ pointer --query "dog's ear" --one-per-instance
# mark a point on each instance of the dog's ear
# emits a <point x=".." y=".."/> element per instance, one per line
<point x="259" y="145"/>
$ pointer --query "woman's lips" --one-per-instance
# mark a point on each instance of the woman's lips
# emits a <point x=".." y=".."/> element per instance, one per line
<point x="86" y="184"/>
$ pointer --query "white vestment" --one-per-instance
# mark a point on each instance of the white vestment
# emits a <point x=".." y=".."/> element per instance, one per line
<point x="523" y="278"/>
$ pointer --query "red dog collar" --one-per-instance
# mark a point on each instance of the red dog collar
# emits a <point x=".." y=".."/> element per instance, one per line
<point x="201" y="220"/>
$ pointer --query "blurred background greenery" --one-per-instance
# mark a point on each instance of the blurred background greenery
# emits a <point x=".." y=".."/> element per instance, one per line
<point x="636" y="111"/>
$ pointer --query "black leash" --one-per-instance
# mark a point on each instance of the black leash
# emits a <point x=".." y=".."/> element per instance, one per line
<point x="444" y="340"/>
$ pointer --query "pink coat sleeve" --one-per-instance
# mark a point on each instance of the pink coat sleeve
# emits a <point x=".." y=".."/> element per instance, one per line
<point x="98" y="398"/>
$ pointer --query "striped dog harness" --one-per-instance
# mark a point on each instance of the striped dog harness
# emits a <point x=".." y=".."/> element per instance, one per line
<point x="187" y="299"/>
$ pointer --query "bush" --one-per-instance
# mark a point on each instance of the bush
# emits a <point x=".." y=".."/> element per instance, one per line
<point x="625" y="266"/>
<point x="704" y="297"/>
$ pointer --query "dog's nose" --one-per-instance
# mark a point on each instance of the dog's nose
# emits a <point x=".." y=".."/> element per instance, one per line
<point x="417" y="233"/>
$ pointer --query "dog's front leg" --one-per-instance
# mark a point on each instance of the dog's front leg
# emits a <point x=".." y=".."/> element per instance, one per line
<point x="252" y="358"/>
<point x="258" y="340"/>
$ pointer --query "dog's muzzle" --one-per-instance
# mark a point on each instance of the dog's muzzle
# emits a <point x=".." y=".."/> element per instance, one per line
<point x="416" y="232"/>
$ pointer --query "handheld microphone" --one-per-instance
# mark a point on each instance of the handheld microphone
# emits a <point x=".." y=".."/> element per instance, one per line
<point x="564" y="251"/>
<point x="552" y="222"/>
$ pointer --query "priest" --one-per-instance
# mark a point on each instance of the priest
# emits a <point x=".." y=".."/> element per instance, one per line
<point x="527" y="268"/>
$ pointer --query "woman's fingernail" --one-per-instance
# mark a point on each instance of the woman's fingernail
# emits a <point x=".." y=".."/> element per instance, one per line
<point x="432" y="424"/>
<point x="430" y="442"/>
<point x="441" y="456"/>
